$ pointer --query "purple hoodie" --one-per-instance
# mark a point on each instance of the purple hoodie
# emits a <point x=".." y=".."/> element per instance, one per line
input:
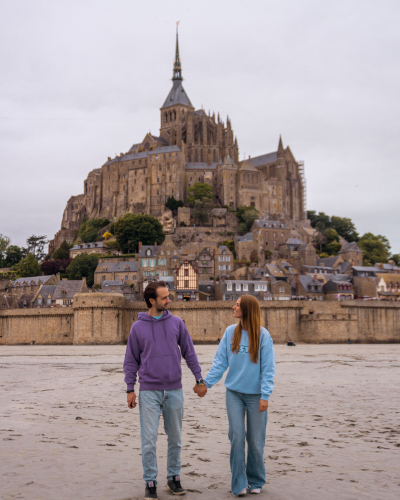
<point x="153" y="351"/>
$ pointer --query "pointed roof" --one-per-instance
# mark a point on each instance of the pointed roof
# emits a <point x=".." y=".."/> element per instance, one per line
<point x="177" y="71"/>
<point x="177" y="94"/>
<point x="228" y="161"/>
<point x="280" y="147"/>
<point x="246" y="165"/>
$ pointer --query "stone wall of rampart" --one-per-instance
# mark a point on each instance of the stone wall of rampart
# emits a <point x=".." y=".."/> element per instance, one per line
<point x="107" y="319"/>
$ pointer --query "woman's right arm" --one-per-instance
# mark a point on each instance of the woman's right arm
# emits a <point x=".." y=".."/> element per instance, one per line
<point x="220" y="363"/>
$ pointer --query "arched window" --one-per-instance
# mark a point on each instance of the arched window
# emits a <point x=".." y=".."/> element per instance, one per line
<point x="196" y="156"/>
<point x="214" y="156"/>
<point x="148" y="251"/>
<point x="40" y="300"/>
<point x="166" y="117"/>
<point x="201" y="155"/>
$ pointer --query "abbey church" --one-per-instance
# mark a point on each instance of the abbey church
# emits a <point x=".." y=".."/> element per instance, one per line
<point x="192" y="146"/>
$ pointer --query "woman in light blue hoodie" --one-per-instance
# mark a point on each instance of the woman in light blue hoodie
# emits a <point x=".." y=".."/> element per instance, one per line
<point x="247" y="350"/>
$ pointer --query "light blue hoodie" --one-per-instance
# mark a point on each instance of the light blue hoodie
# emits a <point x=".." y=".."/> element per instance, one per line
<point x="243" y="375"/>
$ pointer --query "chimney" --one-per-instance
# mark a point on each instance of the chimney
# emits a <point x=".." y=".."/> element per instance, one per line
<point x="315" y="277"/>
<point x="140" y="245"/>
<point x="155" y="246"/>
<point x="84" y="285"/>
<point x="297" y="279"/>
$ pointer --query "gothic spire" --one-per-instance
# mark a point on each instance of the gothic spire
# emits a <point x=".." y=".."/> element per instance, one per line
<point x="177" y="72"/>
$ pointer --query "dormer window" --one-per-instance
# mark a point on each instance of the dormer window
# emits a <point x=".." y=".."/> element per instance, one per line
<point x="148" y="251"/>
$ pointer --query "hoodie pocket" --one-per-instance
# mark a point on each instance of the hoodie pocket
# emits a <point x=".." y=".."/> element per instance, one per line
<point x="165" y="368"/>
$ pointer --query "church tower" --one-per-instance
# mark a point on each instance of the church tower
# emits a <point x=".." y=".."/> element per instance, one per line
<point x="176" y="105"/>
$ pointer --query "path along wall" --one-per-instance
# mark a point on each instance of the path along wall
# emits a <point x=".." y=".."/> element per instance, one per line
<point x="107" y="319"/>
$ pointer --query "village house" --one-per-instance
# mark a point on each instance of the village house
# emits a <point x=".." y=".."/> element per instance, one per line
<point x="186" y="282"/>
<point x="97" y="248"/>
<point x="66" y="290"/>
<point x="234" y="289"/>
<point x="126" y="271"/>
<point x="336" y="289"/>
<point x="223" y="261"/>
<point x="388" y="286"/>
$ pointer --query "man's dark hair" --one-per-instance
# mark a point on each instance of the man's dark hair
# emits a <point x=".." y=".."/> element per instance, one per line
<point x="151" y="291"/>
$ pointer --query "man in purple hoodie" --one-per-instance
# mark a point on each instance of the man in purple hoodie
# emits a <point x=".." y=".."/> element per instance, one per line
<point x="156" y="341"/>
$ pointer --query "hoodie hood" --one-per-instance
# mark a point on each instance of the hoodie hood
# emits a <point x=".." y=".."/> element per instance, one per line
<point x="149" y="319"/>
<point x="146" y="317"/>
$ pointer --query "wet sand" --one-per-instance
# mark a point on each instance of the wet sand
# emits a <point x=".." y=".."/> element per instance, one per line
<point x="66" y="432"/>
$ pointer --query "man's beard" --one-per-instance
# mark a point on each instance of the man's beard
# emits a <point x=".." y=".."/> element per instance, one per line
<point x="164" y="308"/>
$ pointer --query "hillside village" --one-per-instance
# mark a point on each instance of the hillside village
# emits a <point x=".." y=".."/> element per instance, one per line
<point x="273" y="261"/>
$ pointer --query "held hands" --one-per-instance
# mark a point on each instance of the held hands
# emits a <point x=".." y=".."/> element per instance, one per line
<point x="263" y="405"/>
<point x="200" y="390"/>
<point x="131" y="399"/>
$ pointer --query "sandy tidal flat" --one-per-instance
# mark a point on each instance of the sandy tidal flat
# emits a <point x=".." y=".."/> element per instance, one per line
<point x="66" y="432"/>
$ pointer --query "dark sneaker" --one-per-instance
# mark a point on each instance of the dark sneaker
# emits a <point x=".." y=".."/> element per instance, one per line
<point x="175" y="486"/>
<point x="151" y="490"/>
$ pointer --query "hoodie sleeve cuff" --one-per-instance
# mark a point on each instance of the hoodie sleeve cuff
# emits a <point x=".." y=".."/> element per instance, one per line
<point x="130" y="387"/>
<point x="197" y="375"/>
<point x="265" y="397"/>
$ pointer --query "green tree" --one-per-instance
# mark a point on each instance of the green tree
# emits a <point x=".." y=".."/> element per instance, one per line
<point x="198" y="191"/>
<point x="83" y="266"/>
<point x="331" y="245"/>
<point x="35" y="245"/>
<point x="345" y="228"/>
<point x="395" y="257"/>
<point x="376" y="248"/>
<point x="230" y="244"/>
<point x="202" y="209"/>
<point x="4" y="244"/>
<point x="28" y="267"/>
<point x="130" y="229"/>
<point x="246" y="217"/>
<point x="13" y="255"/>
<point x="319" y="221"/>
<point x="173" y="204"/>
<point x="89" y="229"/>
<point x="62" y="252"/>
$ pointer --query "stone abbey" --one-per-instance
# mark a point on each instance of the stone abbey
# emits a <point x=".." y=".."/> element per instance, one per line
<point x="192" y="146"/>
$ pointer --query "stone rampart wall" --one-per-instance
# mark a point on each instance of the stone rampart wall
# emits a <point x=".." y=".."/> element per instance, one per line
<point x="107" y="319"/>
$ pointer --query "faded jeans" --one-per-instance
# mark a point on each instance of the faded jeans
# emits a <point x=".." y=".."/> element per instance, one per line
<point x="151" y="405"/>
<point x="252" y="474"/>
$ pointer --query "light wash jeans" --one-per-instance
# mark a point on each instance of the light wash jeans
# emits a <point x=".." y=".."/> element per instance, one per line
<point x="151" y="405"/>
<point x="252" y="474"/>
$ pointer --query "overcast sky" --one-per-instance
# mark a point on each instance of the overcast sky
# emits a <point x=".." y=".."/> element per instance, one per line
<point x="84" y="80"/>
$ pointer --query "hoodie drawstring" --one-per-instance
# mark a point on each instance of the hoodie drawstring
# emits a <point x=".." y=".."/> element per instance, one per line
<point x="152" y="330"/>
<point x="165" y="331"/>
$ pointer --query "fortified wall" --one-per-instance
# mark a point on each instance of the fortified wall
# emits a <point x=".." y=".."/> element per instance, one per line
<point x="104" y="318"/>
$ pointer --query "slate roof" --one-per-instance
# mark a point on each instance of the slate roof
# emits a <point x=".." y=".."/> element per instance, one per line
<point x="142" y="252"/>
<point x="264" y="159"/>
<point x="307" y="280"/>
<point x="47" y="290"/>
<point x="107" y="283"/>
<point x="32" y="281"/>
<point x="246" y="237"/>
<point x="366" y="268"/>
<point x="177" y="95"/>
<point x="143" y="154"/>
<point x="350" y="247"/>
<point x="113" y="267"/>
<point x="71" y="287"/>
<point x="327" y="261"/>
<point x="95" y="244"/>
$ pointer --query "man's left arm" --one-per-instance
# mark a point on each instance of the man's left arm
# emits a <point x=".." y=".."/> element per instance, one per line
<point x="187" y="349"/>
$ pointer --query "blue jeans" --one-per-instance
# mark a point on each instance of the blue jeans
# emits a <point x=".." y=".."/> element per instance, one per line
<point x="151" y="405"/>
<point x="253" y="475"/>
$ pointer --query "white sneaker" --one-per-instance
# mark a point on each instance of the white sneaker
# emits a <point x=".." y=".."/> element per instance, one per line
<point x="242" y="493"/>
<point x="255" y="491"/>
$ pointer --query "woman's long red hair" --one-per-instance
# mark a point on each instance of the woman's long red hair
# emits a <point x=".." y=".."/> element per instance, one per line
<point x="251" y="317"/>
